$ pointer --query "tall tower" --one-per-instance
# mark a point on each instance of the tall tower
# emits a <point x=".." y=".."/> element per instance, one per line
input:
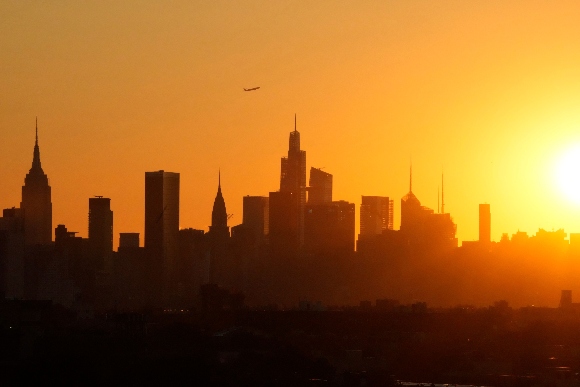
<point x="484" y="223"/>
<point x="161" y="229"/>
<point x="219" y="234"/>
<point x="219" y="216"/>
<point x="36" y="202"/>
<point x="293" y="180"/>
<point x="100" y="228"/>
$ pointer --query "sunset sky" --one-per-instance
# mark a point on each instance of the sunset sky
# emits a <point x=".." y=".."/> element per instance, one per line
<point x="487" y="92"/>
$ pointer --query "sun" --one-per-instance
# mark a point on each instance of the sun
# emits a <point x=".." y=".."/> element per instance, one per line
<point x="568" y="174"/>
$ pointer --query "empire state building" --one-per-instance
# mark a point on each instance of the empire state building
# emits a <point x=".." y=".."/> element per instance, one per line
<point x="36" y="202"/>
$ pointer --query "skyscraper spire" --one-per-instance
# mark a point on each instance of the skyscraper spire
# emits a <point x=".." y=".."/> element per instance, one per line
<point x="219" y="179"/>
<point x="410" y="176"/>
<point x="219" y="216"/>
<point x="36" y="166"/>
<point x="36" y="201"/>
<point x="295" y="122"/>
<point x="442" y="196"/>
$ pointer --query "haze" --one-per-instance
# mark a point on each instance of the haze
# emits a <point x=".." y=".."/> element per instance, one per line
<point x="487" y="92"/>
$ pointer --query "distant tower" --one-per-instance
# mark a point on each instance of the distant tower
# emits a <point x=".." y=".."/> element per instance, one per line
<point x="320" y="190"/>
<point x="161" y="229"/>
<point x="410" y="206"/>
<point x="376" y="215"/>
<point x="219" y="235"/>
<point x="219" y="216"/>
<point x="100" y="228"/>
<point x="256" y="215"/>
<point x="484" y="223"/>
<point x="293" y="180"/>
<point x="36" y="202"/>
<point x="442" y="196"/>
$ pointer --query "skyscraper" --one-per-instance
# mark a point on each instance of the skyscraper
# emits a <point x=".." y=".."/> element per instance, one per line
<point x="320" y="189"/>
<point x="484" y="223"/>
<point x="100" y="228"/>
<point x="161" y="228"/>
<point x="293" y="181"/>
<point x="36" y="202"/>
<point x="329" y="228"/>
<point x="256" y="215"/>
<point x="376" y="215"/>
<point x="219" y="235"/>
<point x="219" y="216"/>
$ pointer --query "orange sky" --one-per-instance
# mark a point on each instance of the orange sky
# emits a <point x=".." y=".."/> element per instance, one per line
<point x="487" y="91"/>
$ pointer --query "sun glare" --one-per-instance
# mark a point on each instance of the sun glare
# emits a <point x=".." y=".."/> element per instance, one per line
<point x="568" y="174"/>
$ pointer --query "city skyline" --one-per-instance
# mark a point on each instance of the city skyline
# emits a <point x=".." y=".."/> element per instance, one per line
<point x="491" y="103"/>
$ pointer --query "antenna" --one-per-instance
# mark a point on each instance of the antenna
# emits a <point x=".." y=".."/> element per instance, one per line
<point x="410" y="175"/>
<point x="442" y="196"/>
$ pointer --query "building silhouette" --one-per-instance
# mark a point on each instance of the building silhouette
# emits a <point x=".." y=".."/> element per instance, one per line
<point x="36" y="202"/>
<point x="320" y="189"/>
<point x="283" y="223"/>
<point x="218" y="237"/>
<point x="128" y="240"/>
<point x="293" y="181"/>
<point x="100" y="229"/>
<point x="484" y="223"/>
<point x="161" y="230"/>
<point x="329" y="228"/>
<point x="12" y="256"/>
<point x="422" y="229"/>
<point x="376" y="215"/>
<point x="256" y="216"/>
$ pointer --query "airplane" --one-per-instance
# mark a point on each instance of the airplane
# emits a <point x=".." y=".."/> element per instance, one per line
<point x="253" y="88"/>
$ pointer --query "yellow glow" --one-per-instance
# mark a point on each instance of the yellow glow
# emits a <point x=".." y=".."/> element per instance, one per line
<point x="568" y="174"/>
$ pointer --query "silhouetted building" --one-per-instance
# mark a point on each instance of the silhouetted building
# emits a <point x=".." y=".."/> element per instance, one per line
<point x="284" y="230"/>
<point x="161" y="229"/>
<point x="12" y="253"/>
<point x="329" y="228"/>
<point x="130" y="274"/>
<point x="320" y="189"/>
<point x="191" y="265"/>
<point x="422" y="229"/>
<point x="256" y="215"/>
<point x="484" y="223"/>
<point x="129" y="240"/>
<point x="376" y="215"/>
<point x="100" y="229"/>
<point x="293" y="181"/>
<point x="218" y="236"/>
<point x="36" y="202"/>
